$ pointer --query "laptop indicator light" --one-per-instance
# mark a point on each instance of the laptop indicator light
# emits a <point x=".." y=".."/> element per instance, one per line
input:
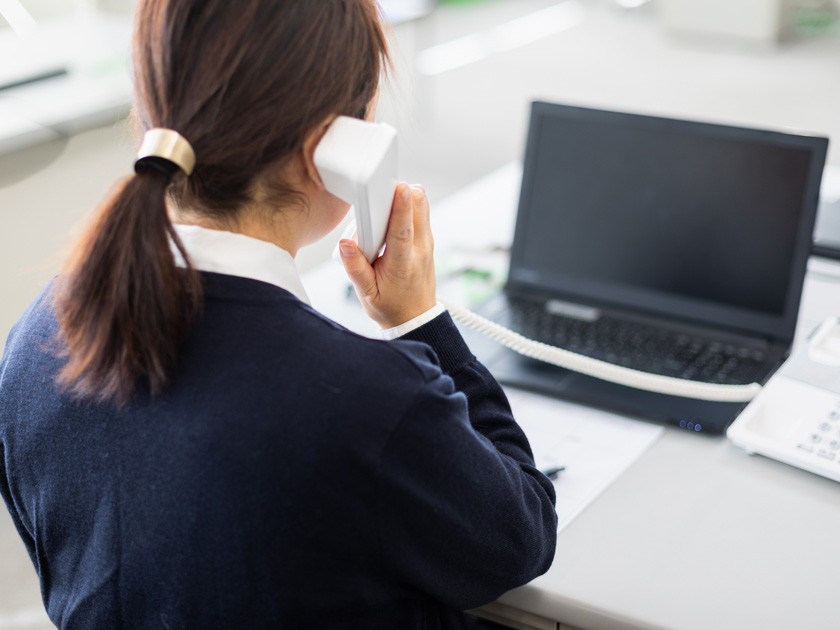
<point x="691" y="426"/>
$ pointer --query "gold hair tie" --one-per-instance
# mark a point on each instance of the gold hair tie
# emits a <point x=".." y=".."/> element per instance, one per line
<point x="166" y="151"/>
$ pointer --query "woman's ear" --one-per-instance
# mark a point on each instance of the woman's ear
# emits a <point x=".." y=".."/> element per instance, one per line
<point x="310" y="143"/>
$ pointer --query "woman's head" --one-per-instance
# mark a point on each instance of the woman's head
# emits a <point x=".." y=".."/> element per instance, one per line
<point x="247" y="83"/>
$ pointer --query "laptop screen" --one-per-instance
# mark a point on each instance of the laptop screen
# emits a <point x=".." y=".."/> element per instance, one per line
<point x="706" y="222"/>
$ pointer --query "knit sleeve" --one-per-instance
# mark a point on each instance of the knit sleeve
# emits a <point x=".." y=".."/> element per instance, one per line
<point x="464" y="514"/>
<point x="6" y="493"/>
<point x="488" y="408"/>
<point x="5" y="465"/>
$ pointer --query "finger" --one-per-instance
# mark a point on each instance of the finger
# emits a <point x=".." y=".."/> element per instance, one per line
<point x="358" y="269"/>
<point x="421" y="211"/>
<point x="400" y="236"/>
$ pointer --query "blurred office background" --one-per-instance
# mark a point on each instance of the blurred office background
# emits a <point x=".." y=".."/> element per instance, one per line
<point x="465" y="73"/>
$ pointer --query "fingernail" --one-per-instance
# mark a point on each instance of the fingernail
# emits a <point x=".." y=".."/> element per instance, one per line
<point x="346" y="248"/>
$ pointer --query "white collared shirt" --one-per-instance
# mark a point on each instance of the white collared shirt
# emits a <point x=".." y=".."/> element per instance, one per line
<point x="238" y="255"/>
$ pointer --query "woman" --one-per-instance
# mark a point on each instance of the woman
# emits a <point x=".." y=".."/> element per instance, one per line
<point x="185" y="442"/>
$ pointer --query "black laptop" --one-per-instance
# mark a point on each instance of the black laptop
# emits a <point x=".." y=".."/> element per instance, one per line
<point x="669" y="246"/>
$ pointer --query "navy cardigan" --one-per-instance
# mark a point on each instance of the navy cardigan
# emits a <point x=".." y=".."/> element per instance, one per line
<point x="293" y="475"/>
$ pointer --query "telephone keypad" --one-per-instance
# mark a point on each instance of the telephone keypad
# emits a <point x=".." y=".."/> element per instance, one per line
<point x="796" y="419"/>
<point x="822" y="440"/>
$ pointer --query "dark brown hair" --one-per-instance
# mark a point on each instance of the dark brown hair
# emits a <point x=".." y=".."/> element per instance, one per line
<point x="244" y="82"/>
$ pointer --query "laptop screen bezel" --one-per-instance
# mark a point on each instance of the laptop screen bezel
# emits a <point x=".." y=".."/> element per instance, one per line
<point x="779" y="328"/>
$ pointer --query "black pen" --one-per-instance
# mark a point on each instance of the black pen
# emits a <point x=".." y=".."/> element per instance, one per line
<point x="552" y="472"/>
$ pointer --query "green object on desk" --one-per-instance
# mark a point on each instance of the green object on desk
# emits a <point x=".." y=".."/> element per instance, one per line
<point x="816" y="21"/>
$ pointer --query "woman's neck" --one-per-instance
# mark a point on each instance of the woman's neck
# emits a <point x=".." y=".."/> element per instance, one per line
<point x="248" y="222"/>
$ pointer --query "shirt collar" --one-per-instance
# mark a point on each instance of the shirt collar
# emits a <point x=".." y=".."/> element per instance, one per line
<point x="239" y="255"/>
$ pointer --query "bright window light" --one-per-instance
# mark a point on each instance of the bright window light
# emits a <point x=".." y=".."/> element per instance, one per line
<point x="508" y="36"/>
<point x="17" y="16"/>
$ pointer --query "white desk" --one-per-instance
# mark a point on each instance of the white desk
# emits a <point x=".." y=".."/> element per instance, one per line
<point x="696" y="535"/>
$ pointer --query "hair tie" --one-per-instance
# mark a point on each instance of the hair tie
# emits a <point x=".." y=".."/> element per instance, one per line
<point x="165" y="151"/>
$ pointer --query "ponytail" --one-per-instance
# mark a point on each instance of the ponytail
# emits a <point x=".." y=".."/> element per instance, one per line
<point x="245" y="85"/>
<point x="124" y="308"/>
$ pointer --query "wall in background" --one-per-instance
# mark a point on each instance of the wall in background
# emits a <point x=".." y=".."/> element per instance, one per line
<point x="44" y="193"/>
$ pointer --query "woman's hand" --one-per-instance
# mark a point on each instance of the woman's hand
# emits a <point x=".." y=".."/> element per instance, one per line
<point x="399" y="285"/>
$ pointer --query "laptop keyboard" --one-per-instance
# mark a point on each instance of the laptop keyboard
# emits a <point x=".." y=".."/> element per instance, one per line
<point x="638" y="346"/>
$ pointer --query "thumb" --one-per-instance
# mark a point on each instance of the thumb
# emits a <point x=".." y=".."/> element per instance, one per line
<point x="358" y="269"/>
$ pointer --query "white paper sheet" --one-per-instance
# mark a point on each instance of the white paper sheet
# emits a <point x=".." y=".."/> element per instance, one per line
<point x="595" y="446"/>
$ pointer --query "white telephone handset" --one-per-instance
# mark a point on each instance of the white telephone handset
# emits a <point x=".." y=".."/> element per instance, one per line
<point x="357" y="162"/>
